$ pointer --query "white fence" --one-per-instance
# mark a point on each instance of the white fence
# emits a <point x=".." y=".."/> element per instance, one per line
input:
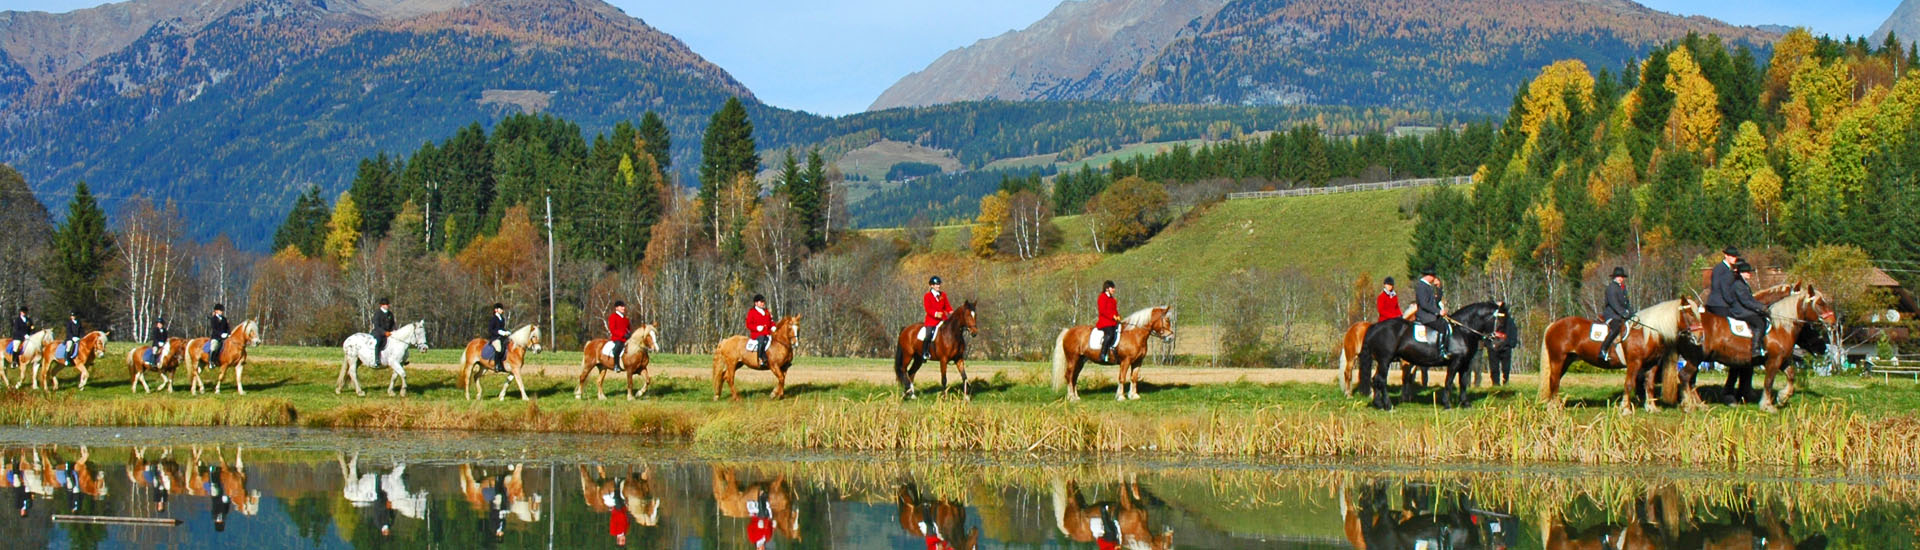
<point x="1376" y="186"/>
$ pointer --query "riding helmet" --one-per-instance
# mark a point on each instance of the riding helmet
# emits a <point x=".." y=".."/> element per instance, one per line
<point x="1388" y="282"/>
<point x="1742" y="267"/>
<point x="496" y="305"/>
<point x="1620" y="272"/>
<point x="619" y="303"/>
<point x="758" y="298"/>
<point x="934" y="281"/>
<point x="218" y="307"/>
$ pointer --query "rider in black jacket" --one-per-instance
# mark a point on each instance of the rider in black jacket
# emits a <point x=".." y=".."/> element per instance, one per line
<point x="497" y="331"/>
<point x="217" y="332"/>
<point x="1427" y="309"/>
<point x="382" y="328"/>
<point x="22" y="327"/>
<point x="1619" y="308"/>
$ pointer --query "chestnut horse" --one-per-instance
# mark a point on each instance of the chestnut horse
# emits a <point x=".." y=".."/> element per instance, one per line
<point x="31" y="350"/>
<point x="1071" y="351"/>
<point x="232" y="355"/>
<point x="500" y="496"/>
<point x="942" y="523"/>
<point x="949" y="344"/>
<point x="603" y="492"/>
<point x="91" y="348"/>
<point x="640" y="345"/>
<point x="472" y="366"/>
<point x="1714" y="341"/>
<point x="1124" y="523"/>
<point x="732" y="354"/>
<point x="165" y="365"/>
<point x="732" y="499"/>
<point x="1642" y="348"/>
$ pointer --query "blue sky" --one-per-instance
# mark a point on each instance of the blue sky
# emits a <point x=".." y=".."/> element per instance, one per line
<point x="835" y="56"/>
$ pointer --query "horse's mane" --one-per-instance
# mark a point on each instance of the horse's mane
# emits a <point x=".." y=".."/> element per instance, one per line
<point x="1776" y="292"/>
<point x="1786" y="309"/>
<point x="519" y="335"/>
<point x="1663" y="318"/>
<point x="1140" y="318"/>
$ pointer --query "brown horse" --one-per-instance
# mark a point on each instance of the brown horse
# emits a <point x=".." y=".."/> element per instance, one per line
<point x="230" y="481"/>
<point x="731" y="498"/>
<point x="1714" y="341"/>
<point x="942" y="523"/>
<point x="1643" y="347"/>
<point x="32" y="351"/>
<point x="1125" y="523"/>
<point x="949" y="344"/>
<point x="640" y="345"/>
<point x="164" y="365"/>
<point x="232" y="355"/>
<point x="1071" y="351"/>
<point x="500" y="496"/>
<point x="732" y="354"/>
<point x="472" y="366"/>
<point x="91" y="348"/>
<point x="601" y="493"/>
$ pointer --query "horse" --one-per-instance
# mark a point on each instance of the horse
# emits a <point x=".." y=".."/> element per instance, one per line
<point x="500" y="496"/>
<point x="732" y="354"/>
<point x="1125" y="523"/>
<point x="1714" y="341"/>
<point x="91" y="348"/>
<point x="357" y="351"/>
<point x="1349" y="358"/>
<point x="472" y="365"/>
<point x="137" y="366"/>
<point x="949" y="344"/>
<point x="602" y="492"/>
<point x="1394" y="339"/>
<point x="595" y="355"/>
<point x="388" y="491"/>
<point x="942" y="523"/>
<point x="1642" y="348"/>
<point x="223" y="482"/>
<point x="232" y="355"/>
<point x="732" y="499"/>
<point x="1072" y="351"/>
<point x="31" y="353"/>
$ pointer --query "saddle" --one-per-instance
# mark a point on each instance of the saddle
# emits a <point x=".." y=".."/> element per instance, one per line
<point x="607" y="350"/>
<point x="1094" y="338"/>
<point x="1598" y="332"/>
<point x="1741" y="328"/>
<point x="922" y="333"/>
<point x="66" y="348"/>
<point x="487" y="352"/>
<point x="753" y="344"/>
<point x="1424" y="335"/>
<point x="208" y="347"/>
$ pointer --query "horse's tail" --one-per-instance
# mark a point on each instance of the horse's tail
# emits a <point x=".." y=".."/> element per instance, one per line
<point x="1346" y="376"/>
<point x="132" y="367"/>
<point x="900" y="360"/>
<point x="466" y="362"/>
<point x="1547" y="367"/>
<point x="1060" y="360"/>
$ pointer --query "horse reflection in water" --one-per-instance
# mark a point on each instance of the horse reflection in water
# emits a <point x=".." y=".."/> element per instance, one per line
<point x="154" y="482"/>
<point x="500" y="495"/>
<point x="385" y="493"/>
<point x="942" y="522"/>
<point x="1372" y="521"/>
<point x="625" y="501"/>
<point x="1119" y="524"/>
<point x="41" y="473"/>
<point x="1662" y="520"/>
<point x="225" y="486"/>
<point x="768" y="506"/>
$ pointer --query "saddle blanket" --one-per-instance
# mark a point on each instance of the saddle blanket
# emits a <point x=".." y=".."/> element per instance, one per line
<point x="207" y="348"/>
<point x="153" y="355"/>
<point x="1741" y="329"/>
<point x="66" y="348"/>
<point x="487" y="352"/>
<point x="922" y="333"/>
<point x="1095" y="338"/>
<point x="1424" y="335"/>
<point x="753" y="344"/>
<point x="1598" y="333"/>
<point x="13" y="346"/>
<point x="607" y="350"/>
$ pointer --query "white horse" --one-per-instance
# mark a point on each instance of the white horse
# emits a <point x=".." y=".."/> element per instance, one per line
<point x="357" y="351"/>
<point x="363" y="489"/>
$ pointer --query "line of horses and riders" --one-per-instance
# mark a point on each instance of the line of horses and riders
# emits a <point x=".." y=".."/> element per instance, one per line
<point x="1734" y="326"/>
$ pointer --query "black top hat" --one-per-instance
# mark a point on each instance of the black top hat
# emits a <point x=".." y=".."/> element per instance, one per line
<point x="1389" y="281"/>
<point x="384" y="302"/>
<point x="934" y="281"/>
<point x="218" y="307"/>
<point x="1731" y="251"/>
<point x="1743" y="267"/>
<point x="159" y="320"/>
<point x="496" y="305"/>
<point x="1620" y="272"/>
<point x="1428" y="271"/>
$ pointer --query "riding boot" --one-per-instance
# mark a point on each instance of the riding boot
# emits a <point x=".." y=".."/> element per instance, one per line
<point x="1760" y="339"/>
<point x="926" y="346"/>
<point x="1106" y="353"/>
<point x="763" y="358"/>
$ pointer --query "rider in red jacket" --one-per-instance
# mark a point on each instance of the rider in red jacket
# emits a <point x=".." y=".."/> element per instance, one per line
<point x="1388" y="302"/>
<point x="617" y="330"/>
<point x="938" y="308"/>
<point x="760" y="325"/>
<point x="1108" y="322"/>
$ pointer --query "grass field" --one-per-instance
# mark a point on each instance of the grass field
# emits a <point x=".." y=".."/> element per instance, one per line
<point x="1846" y="421"/>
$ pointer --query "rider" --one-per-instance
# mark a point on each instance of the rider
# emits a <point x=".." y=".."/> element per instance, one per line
<point x="1428" y="312"/>
<point x="497" y="332"/>
<point x="617" y="330"/>
<point x="1723" y="299"/>
<point x="22" y="326"/>
<point x="1388" y="302"/>
<point x="217" y="332"/>
<point x="382" y="328"/>
<point x="1109" y="322"/>
<point x="73" y="335"/>
<point x="1619" y="308"/>
<point x="1748" y="309"/>
<point x="157" y="340"/>
<point x="937" y="307"/>
<point x="760" y="327"/>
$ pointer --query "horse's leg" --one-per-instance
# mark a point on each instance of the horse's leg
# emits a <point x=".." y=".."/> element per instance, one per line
<point x="1406" y="380"/>
<point x="1626" y="394"/>
<point x="580" y="385"/>
<point x="1792" y="371"/>
<point x="1073" y="377"/>
<point x="600" y="385"/>
<point x="1766" y="392"/>
<point x="1133" y="388"/>
<point x="966" y="393"/>
<point x="779" y="382"/>
<point x="239" y="369"/>
<point x="646" y="381"/>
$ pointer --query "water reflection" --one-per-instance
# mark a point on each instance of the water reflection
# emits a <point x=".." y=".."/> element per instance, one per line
<point x="226" y="496"/>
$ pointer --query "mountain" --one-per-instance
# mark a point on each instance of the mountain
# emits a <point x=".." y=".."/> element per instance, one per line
<point x="1903" y="23"/>
<point x="232" y="107"/>
<point x="1449" y="55"/>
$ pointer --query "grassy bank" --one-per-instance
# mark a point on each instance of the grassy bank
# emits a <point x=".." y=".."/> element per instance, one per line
<point x="1834" y="422"/>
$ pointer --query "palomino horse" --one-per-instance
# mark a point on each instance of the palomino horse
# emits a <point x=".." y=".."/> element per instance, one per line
<point x="1714" y="341"/>
<point x="942" y="523"/>
<point x="640" y="347"/>
<point x="224" y="485"/>
<point x="232" y="355"/>
<point x="1351" y="379"/>
<point x="1125" y="523"/>
<point x="1642" y="348"/>
<point x="635" y="491"/>
<point x="500" y="496"/>
<point x="773" y="499"/>
<point x="732" y="354"/>
<point x="949" y="344"/>
<point x="1072" y="350"/>
<point x="1394" y="339"/>
<point x="159" y="479"/>
<point x="164" y="365"/>
<point x="31" y="350"/>
<point x="519" y="342"/>
<point x="91" y="348"/>
<point x="357" y="351"/>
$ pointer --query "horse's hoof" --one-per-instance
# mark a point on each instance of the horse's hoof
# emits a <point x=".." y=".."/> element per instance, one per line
<point x="359" y="393"/>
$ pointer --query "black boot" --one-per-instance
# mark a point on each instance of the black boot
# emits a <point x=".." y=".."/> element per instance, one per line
<point x="926" y="346"/>
<point x="1106" y="354"/>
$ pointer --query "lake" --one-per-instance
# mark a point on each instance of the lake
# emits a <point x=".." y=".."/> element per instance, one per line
<point x="287" y="488"/>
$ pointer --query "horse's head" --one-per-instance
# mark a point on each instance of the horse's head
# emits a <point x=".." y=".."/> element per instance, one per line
<point x="648" y="335"/>
<point x="965" y="318"/>
<point x="1816" y="305"/>
<point x="1161" y="323"/>
<point x="252" y="330"/>
<point x="414" y="334"/>
<point x="533" y="338"/>
<point x="1688" y="312"/>
<point x="1814" y="340"/>
<point x="789" y="327"/>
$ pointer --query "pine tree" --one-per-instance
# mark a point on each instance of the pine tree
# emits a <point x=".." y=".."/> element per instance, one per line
<point x="81" y="249"/>
<point x="305" y="226"/>
<point x="789" y="176"/>
<point x="656" y="141"/>
<point x="726" y="154"/>
<point x="376" y="192"/>
<point x="468" y="192"/>
<point x="810" y="200"/>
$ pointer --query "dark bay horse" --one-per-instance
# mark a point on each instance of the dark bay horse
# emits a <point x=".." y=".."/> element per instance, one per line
<point x="1393" y="339"/>
<point x="949" y="345"/>
<point x="1715" y="341"/>
<point x="1643" y="347"/>
<point x="1071" y="351"/>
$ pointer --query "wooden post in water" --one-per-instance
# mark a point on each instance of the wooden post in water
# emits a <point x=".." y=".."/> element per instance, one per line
<point x="117" y="520"/>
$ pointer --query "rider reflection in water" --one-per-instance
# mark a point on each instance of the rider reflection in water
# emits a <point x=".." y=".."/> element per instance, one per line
<point x="760" y="524"/>
<point x="221" y="503"/>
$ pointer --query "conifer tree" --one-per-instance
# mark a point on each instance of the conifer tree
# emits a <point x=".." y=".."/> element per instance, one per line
<point x="81" y="249"/>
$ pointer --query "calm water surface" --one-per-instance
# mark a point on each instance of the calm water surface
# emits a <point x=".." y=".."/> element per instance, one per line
<point x="293" y="489"/>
